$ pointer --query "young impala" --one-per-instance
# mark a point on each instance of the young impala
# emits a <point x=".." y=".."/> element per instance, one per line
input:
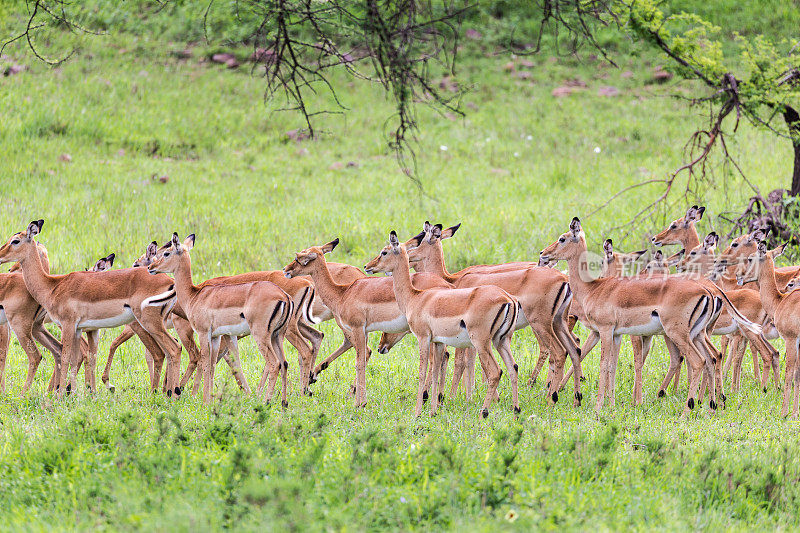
<point x="479" y="317"/>
<point x="259" y="308"/>
<point x="645" y="306"/>
<point x="90" y="301"/>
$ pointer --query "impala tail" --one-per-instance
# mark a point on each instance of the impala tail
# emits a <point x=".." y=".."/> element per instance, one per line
<point x="741" y="319"/>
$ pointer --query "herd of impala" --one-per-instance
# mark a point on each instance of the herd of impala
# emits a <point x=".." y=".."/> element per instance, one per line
<point x="739" y="295"/>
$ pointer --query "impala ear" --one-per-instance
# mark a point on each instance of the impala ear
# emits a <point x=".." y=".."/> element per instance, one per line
<point x="762" y="248"/>
<point x="176" y="243"/>
<point x="700" y="211"/>
<point x="393" y="240"/>
<point x="608" y="247"/>
<point x="436" y="233"/>
<point x="305" y="259"/>
<point x="658" y="256"/>
<point x="152" y="248"/>
<point x="711" y="240"/>
<point x="188" y="242"/>
<point x="675" y="258"/>
<point x="415" y="241"/>
<point x="426" y="227"/>
<point x="758" y="235"/>
<point x="778" y="250"/>
<point x="449" y="232"/>
<point x="638" y="254"/>
<point x="328" y="248"/>
<point x="691" y="215"/>
<point x="34" y="228"/>
<point x="575" y="226"/>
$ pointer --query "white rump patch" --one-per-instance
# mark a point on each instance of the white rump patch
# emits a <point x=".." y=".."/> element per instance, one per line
<point x="159" y="299"/>
<point x="653" y="327"/>
<point x="3" y="319"/>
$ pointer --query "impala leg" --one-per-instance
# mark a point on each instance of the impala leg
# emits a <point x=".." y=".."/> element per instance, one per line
<point x="791" y="369"/>
<point x="90" y="371"/>
<point x="313" y="336"/>
<point x="796" y="373"/>
<point x="611" y="382"/>
<point x="5" y="343"/>
<point x="186" y="335"/>
<point x="468" y="379"/>
<point x="738" y="358"/>
<point x="492" y="371"/>
<point x="504" y="349"/>
<point x="589" y="344"/>
<point x="606" y="348"/>
<point x="39" y="333"/>
<point x="236" y="365"/>
<point x="210" y="369"/>
<point x="438" y="357"/>
<point x="152" y="321"/>
<point x="640" y="351"/>
<point x="443" y="374"/>
<point x="276" y="341"/>
<point x="346" y="345"/>
<point x="459" y="365"/>
<point x="154" y="356"/>
<point x="126" y="334"/>
<point x="733" y="340"/>
<point x="424" y="357"/>
<point x="674" y="370"/>
<point x="359" y="340"/>
<point x="304" y="352"/>
<point x="23" y="329"/>
<point x="71" y="353"/>
<point x="756" y="366"/>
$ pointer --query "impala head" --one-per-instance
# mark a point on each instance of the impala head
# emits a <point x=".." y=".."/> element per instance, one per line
<point x="700" y="258"/>
<point x="304" y="262"/>
<point x="657" y="264"/>
<point x="754" y="262"/>
<point x="15" y="248"/>
<point x="147" y="257"/>
<point x="104" y="263"/>
<point x="16" y="267"/>
<point x="427" y="245"/>
<point x="391" y="257"/>
<point x="569" y="245"/>
<point x="169" y="256"/>
<point x="793" y="284"/>
<point x="615" y="263"/>
<point x="679" y="229"/>
<point x="741" y="247"/>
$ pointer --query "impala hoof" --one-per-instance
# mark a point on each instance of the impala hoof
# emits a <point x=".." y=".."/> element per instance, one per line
<point x="169" y="394"/>
<point x="517" y="410"/>
<point x="578" y="396"/>
<point x="323" y="366"/>
<point x="723" y="398"/>
<point x="661" y="393"/>
<point x="516" y="367"/>
<point x="424" y="396"/>
<point x="713" y="405"/>
<point x="555" y="397"/>
<point x="690" y="403"/>
<point x="765" y="390"/>
<point x="178" y="391"/>
<point x="484" y="413"/>
<point x="441" y="398"/>
<point x="582" y="379"/>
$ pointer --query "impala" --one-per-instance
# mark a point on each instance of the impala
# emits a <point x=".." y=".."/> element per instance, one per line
<point x="784" y="307"/>
<point x="89" y="301"/>
<point x="543" y="292"/>
<point x="258" y="308"/>
<point x="646" y="306"/>
<point x="479" y="317"/>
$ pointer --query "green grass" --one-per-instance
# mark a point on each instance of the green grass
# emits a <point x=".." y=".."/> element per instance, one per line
<point x="125" y="110"/>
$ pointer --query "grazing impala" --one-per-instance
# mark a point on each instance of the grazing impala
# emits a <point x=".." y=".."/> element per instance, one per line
<point x="365" y="305"/>
<point x="784" y="307"/>
<point x="543" y="292"/>
<point x="89" y="301"/>
<point x="646" y="306"/>
<point x="258" y="308"/>
<point x="479" y="317"/>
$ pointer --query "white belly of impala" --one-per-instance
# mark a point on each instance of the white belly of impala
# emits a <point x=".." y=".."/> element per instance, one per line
<point x="459" y="341"/>
<point x="397" y="325"/>
<point x="3" y="319"/>
<point x="126" y="317"/>
<point x="647" y="329"/>
<point x="242" y="328"/>
<point x="727" y="330"/>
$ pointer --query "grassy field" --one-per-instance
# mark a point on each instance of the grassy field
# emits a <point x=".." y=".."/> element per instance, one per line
<point x="521" y="164"/>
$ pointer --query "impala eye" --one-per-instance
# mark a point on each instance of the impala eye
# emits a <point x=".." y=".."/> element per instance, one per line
<point x="673" y="226"/>
<point x="166" y="254"/>
<point x="734" y="244"/>
<point x="383" y="252"/>
<point x="561" y="239"/>
<point x="15" y="241"/>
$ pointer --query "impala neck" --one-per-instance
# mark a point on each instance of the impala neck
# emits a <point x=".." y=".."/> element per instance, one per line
<point x="434" y="264"/>
<point x="401" y="280"/>
<point x="577" y="264"/>
<point x="690" y="238"/>
<point x="771" y="296"/>
<point x="36" y="276"/>
<point x="325" y="286"/>
<point x="185" y="289"/>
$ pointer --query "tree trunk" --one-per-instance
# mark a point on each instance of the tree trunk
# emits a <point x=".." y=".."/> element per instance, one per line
<point x="792" y="118"/>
